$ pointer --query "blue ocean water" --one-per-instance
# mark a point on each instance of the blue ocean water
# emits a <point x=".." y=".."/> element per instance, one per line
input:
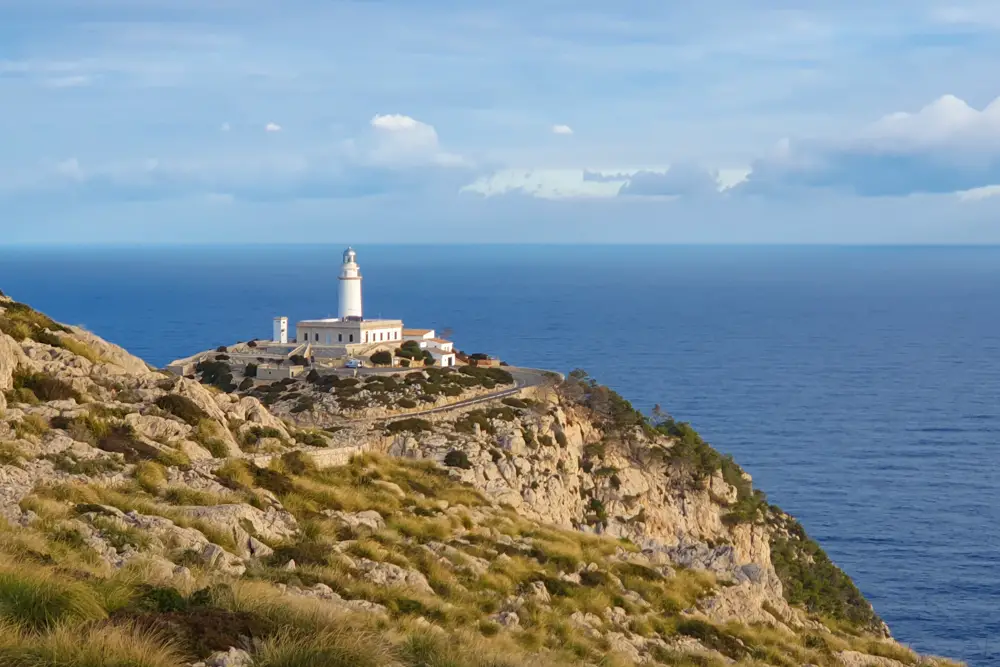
<point x="859" y="386"/>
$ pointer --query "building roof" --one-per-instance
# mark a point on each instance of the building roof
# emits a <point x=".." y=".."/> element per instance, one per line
<point x="336" y="322"/>
<point x="417" y="332"/>
<point x="439" y="340"/>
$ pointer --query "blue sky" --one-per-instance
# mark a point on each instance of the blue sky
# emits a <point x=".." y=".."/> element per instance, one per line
<point x="165" y="121"/>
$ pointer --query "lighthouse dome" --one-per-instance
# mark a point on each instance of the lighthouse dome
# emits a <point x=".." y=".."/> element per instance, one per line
<point x="350" y="257"/>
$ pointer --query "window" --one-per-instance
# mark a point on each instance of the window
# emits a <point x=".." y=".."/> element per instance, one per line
<point x="352" y="338"/>
<point x="316" y="337"/>
<point x="340" y="338"/>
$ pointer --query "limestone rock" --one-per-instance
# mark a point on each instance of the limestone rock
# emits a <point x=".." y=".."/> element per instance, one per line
<point x="388" y="574"/>
<point x="234" y="657"/>
<point x="157" y="428"/>
<point x="11" y="356"/>
<point x="855" y="659"/>
<point x="368" y="519"/>
<point x="271" y="524"/>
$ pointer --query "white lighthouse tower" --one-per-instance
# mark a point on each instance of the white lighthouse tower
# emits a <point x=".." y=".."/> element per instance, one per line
<point x="349" y="296"/>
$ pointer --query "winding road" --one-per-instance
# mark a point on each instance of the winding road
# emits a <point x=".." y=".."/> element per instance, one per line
<point x="523" y="378"/>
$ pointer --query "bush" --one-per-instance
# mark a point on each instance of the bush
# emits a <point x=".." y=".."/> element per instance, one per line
<point x="406" y="403"/>
<point x="222" y="348"/>
<point x="457" y="459"/>
<point x="412" y="425"/>
<point x="381" y="358"/>
<point x="298" y="463"/>
<point x="31" y="425"/>
<point x="250" y="371"/>
<point x="809" y="578"/>
<point x="310" y="439"/>
<point x="45" y="387"/>
<point x="246" y="384"/>
<point x="20" y="321"/>
<point x="121" y="439"/>
<point x="217" y="374"/>
<point x="182" y="407"/>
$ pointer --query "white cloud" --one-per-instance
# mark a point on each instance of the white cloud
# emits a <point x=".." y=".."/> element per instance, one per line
<point x="400" y="140"/>
<point x="562" y="129"/>
<point x="977" y="194"/>
<point x="945" y="147"/>
<point x="548" y="183"/>
<point x="272" y="127"/>
<point x="947" y="122"/>
<point x="664" y="181"/>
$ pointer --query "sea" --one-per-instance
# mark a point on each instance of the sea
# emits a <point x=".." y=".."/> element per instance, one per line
<point x="858" y="385"/>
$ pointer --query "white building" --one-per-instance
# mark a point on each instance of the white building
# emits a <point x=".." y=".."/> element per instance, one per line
<point x="280" y="330"/>
<point x="336" y="331"/>
<point x="442" y="350"/>
<point x="350" y="334"/>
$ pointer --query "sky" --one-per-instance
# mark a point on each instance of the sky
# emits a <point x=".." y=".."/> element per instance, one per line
<point x="549" y="121"/>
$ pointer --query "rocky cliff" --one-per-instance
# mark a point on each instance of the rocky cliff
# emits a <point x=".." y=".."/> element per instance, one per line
<point x="154" y="520"/>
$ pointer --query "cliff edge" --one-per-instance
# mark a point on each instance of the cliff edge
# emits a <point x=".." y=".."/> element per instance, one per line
<point x="150" y="520"/>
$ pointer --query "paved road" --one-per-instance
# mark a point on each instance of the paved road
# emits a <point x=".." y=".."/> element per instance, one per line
<point x="523" y="378"/>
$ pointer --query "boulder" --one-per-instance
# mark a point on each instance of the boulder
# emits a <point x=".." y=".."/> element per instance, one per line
<point x="369" y="519"/>
<point x="157" y="428"/>
<point x="388" y="574"/>
<point x="234" y="657"/>
<point x="272" y="524"/>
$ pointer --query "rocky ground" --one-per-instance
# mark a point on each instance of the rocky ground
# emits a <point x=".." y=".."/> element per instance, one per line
<point x="323" y="398"/>
<point x="156" y="521"/>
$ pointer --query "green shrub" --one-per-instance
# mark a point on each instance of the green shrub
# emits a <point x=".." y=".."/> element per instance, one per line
<point x="406" y="403"/>
<point x="412" y="425"/>
<point x="31" y="425"/>
<point x="381" y="358"/>
<point x="298" y="463"/>
<point x="45" y="387"/>
<point x="246" y="384"/>
<point x="250" y="371"/>
<point x="310" y="438"/>
<point x="68" y="463"/>
<point x="182" y="407"/>
<point x="252" y="437"/>
<point x="217" y="374"/>
<point x="809" y="578"/>
<point x="20" y="321"/>
<point x="457" y="459"/>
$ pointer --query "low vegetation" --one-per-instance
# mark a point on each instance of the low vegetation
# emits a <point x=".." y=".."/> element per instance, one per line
<point x="21" y="322"/>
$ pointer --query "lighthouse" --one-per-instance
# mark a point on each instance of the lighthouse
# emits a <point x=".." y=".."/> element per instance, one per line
<point x="349" y="296"/>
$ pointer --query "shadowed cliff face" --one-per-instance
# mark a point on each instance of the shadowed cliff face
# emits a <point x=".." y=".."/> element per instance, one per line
<point x="556" y="527"/>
